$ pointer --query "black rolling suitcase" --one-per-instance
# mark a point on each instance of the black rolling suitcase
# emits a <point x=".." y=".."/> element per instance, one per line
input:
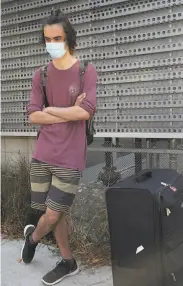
<point x="145" y="215"/>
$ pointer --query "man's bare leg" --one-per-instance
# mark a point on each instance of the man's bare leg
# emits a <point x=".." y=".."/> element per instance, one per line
<point x="56" y="222"/>
<point x="68" y="265"/>
<point x="47" y="223"/>
<point x="61" y="233"/>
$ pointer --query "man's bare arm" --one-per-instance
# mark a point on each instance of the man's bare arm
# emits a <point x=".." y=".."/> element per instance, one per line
<point x="45" y="117"/>
<point x="41" y="117"/>
<point x="72" y="113"/>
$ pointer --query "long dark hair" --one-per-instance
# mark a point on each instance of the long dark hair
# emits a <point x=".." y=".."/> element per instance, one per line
<point x="57" y="17"/>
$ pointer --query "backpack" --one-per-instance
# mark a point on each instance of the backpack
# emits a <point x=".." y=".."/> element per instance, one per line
<point x="90" y="130"/>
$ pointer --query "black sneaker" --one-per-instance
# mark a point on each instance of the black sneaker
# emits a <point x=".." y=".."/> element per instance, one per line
<point x="63" y="269"/>
<point x="28" y="249"/>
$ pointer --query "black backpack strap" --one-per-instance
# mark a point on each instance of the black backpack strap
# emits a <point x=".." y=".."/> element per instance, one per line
<point x="43" y="78"/>
<point x="90" y="130"/>
<point x="83" y="66"/>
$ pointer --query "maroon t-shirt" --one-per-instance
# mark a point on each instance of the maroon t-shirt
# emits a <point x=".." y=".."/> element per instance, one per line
<point x="63" y="144"/>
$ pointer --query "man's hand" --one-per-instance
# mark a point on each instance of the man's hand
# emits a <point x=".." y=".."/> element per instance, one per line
<point x="80" y="99"/>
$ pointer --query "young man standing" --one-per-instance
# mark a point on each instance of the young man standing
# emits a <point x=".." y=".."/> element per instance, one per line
<point x="60" y="150"/>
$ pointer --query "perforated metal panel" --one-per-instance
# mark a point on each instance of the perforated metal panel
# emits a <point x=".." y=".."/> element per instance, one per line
<point x="136" y="46"/>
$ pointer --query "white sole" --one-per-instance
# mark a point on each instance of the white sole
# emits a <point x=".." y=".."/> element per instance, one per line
<point x="59" y="280"/>
<point x="25" y="229"/>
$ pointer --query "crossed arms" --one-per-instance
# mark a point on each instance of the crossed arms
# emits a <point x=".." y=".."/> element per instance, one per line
<point x="83" y="109"/>
<point x="52" y="115"/>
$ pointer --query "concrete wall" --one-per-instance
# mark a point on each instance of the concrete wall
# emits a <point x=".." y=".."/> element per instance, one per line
<point x="13" y="147"/>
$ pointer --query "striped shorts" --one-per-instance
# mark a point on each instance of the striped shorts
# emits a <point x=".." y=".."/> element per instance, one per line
<point x="53" y="187"/>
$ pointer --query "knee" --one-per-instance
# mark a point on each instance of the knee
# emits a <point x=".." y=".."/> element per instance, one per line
<point x="52" y="217"/>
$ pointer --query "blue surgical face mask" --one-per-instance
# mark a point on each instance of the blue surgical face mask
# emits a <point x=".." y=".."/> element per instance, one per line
<point x="56" y="50"/>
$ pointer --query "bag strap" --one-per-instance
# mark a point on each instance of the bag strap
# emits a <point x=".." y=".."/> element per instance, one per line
<point x="143" y="176"/>
<point x="43" y="78"/>
<point x="83" y="66"/>
<point x="90" y="130"/>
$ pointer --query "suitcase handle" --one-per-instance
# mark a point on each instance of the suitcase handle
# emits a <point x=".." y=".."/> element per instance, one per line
<point x="143" y="176"/>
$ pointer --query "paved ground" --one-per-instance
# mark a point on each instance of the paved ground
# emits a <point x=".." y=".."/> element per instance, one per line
<point x="19" y="274"/>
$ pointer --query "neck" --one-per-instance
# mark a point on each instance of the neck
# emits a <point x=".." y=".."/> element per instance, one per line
<point x="65" y="62"/>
